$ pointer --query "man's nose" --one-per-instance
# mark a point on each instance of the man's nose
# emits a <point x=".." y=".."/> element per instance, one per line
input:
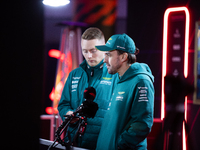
<point x="89" y="54"/>
<point x="105" y="59"/>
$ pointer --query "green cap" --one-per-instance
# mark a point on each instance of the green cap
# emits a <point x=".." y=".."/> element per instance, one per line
<point x="120" y="42"/>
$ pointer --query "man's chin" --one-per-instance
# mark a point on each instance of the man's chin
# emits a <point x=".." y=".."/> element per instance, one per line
<point x="92" y="64"/>
<point x="111" y="72"/>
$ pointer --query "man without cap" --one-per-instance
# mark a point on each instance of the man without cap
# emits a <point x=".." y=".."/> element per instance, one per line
<point x="92" y="72"/>
<point x="129" y="118"/>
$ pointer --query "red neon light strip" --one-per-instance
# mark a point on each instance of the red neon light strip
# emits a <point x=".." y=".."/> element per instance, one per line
<point x="164" y="57"/>
<point x="184" y="137"/>
<point x="164" y="63"/>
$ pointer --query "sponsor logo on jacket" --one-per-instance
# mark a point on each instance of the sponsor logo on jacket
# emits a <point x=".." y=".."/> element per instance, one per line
<point x="143" y="94"/>
<point x="120" y="96"/>
<point x="75" y="81"/>
<point x="106" y="81"/>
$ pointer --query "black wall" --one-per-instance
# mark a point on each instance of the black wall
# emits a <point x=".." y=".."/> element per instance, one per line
<point x="21" y="73"/>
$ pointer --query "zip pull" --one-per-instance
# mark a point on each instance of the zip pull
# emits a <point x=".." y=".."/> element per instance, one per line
<point x="92" y="72"/>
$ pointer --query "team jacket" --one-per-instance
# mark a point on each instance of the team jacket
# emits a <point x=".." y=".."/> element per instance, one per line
<point x="129" y="118"/>
<point x="72" y="98"/>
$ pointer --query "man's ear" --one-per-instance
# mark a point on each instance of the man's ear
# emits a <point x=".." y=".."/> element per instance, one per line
<point x="137" y="51"/>
<point x="124" y="57"/>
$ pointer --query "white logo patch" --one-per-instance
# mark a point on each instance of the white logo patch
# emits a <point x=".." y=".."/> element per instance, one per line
<point x="105" y="82"/>
<point x="143" y="94"/>
<point x="119" y="98"/>
<point x="75" y="83"/>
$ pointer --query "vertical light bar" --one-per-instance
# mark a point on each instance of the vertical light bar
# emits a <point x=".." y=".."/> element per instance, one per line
<point x="164" y="60"/>
<point x="187" y="23"/>
<point x="184" y="137"/>
<point x="164" y="56"/>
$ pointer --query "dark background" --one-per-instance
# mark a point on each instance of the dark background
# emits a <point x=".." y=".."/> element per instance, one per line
<point x="22" y="54"/>
<point x="23" y="64"/>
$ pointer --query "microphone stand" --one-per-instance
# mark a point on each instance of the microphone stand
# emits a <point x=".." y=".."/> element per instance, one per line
<point x="80" y="130"/>
<point x="83" y="112"/>
<point x="60" y="130"/>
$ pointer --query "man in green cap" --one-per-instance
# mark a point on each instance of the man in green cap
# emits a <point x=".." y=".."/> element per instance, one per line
<point x="129" y="117"/>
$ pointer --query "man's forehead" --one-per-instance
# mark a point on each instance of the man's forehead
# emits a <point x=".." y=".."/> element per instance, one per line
<point x="108" y="52"/>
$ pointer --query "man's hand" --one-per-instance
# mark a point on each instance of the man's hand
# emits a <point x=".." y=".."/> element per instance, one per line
<point x="74" y="119"/>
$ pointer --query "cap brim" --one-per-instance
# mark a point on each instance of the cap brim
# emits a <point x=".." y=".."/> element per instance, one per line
<point x="104" y="48"/>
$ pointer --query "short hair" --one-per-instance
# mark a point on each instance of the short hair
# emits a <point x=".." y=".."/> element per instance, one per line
<point x="93" y="33"/>
<point x="131" y="57"/>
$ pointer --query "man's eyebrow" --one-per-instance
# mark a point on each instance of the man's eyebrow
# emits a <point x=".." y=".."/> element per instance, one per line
<point x="89" y="49"/>
<point x="84" y="50"/>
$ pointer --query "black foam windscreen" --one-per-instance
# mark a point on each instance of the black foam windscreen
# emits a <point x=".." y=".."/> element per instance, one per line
<point x="89" y="93"/>
<point x="89" y="109"/>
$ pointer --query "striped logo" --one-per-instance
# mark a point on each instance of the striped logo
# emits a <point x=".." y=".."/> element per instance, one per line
<point x="96" y="11"/>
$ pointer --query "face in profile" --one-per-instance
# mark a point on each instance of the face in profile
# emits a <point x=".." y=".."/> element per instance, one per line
<point x="113" y="61"/>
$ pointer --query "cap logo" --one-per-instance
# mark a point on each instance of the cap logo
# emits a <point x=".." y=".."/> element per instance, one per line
<point x="108" y="42"/>
<point x="110" y="39"/>
<point x="121" y="47"/>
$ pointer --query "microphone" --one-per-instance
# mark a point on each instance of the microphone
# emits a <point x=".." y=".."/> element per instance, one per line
<point x="88" y="108"/>
<point x="89" y="94"/>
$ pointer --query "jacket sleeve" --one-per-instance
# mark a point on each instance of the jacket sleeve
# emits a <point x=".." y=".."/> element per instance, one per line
<point x="141" y="116"/>
<point x="65" y="102"/>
